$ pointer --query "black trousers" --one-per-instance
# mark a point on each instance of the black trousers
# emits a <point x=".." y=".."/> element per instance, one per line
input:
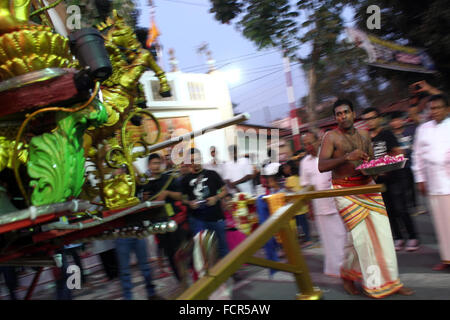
<point x="410" y="188"/>
<point x="11" y="280"/>
<point x="397" y="201"/>
<point x="170" y="242"/>
<point x="77" y="260"/>
<point x="61" y="277"/>
<point x="109" y="262"/>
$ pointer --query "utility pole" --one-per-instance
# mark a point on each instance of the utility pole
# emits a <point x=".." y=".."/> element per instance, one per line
<point x="292" y="105"/>
<point x="268" y="116"/>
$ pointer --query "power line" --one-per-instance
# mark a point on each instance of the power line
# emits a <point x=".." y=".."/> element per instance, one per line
<point x="248" y="56"/>
<point x="272" y="80"/>
<point x="261" y="94"/>
<point x="230" y="60"/>
<point x="253" y="80"/>
<point x="253" y="70"/>
<point x="265" y="90"/>
<point x="247" y="72"/>
<point x="253" y="110"/>
<point x="267" y="98"/>
<point x="262" y="67"/>
<point x="274" y="65"/>
<point x="265" y="69"/>
<point x="189" y="3"/>
<point x="262" y="102"/>
<point x="274" y="95"/>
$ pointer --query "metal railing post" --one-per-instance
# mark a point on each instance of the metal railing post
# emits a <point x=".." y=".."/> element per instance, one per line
<point x="280" y="221"/>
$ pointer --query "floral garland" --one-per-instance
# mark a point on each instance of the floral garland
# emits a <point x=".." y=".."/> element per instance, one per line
<point x="244" y="213"/>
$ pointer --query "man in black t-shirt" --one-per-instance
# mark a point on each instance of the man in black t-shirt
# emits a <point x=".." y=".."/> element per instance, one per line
<point x="395" y="198"/>
<point x="405" y="136"/>
<point x="202" y="190"/>
<point x="157" y="181"/>
<point x="170" y="241"/>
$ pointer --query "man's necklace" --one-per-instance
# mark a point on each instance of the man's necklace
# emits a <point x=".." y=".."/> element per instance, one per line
<point x="359" y="145"/>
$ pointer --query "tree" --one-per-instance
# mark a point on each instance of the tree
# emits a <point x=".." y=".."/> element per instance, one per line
<point x="325" y="25"/>
<point x="333" y="67"/>
<point x="275" y="24"/>
<point x="271" y="23"/>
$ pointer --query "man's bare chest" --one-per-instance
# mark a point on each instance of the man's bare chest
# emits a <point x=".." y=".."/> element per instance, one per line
<point x="347" y="143"/>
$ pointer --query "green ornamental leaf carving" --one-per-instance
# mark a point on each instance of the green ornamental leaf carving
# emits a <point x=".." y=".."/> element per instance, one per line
<point x="49" y="168"/>
<point x="56" y="164"/>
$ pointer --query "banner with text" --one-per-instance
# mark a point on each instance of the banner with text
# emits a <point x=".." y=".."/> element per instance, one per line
<point x="390" y="55"/>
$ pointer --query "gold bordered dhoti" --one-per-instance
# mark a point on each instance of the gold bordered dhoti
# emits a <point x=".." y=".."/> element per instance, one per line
<point x="370" y="252"/>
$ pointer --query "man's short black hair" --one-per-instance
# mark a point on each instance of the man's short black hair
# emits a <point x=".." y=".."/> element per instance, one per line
<point x="293" y="165"/>
<point x="397" y="115"/>
<point x="371" y="109"/>
<point x="154" y="156"/>
<point x="341" y="102"/>
<point x="316" y="137"/>
<point x="440" y="96"/>
<point x="413" y="105"/>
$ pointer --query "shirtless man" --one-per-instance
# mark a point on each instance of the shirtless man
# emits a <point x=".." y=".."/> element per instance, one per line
<point x="371" y="255"/>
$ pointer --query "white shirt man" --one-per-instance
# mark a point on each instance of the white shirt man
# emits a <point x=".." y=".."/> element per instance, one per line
<point x="431" y="166"/>
<point x="215" y="164"/>
<point x="331" y="228"/>
<point x="238" y="173"/>
<point x="432" y="156"/>
<point x="236" y="170"/>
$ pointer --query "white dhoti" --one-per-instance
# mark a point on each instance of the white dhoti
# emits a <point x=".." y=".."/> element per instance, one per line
<point x="370" y="255"/>
<point x="333" y="236"/>
<point x="440" y="208"/>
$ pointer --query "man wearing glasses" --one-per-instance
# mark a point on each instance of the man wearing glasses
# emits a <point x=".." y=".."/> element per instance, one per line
<point x="395" y="198"/>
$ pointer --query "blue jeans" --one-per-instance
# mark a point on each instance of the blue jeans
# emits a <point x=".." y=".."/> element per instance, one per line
<point x="123" y="249"/>
<point x="217" y="226"/>
<point x="303" y="223"/>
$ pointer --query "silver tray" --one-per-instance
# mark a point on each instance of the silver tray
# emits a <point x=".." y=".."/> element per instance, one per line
<point x="382" y="169"/>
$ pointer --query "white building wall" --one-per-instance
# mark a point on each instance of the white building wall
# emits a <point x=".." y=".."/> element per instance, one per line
<point x="204" y="98"/>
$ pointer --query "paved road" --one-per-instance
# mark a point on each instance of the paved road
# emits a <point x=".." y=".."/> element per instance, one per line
<point x="414" y="268"/>
<point x="255" y="284"/>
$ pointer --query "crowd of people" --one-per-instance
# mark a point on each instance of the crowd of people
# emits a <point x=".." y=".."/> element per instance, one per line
<point x="356" y="232"/>
<point x="374" y="221"/>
